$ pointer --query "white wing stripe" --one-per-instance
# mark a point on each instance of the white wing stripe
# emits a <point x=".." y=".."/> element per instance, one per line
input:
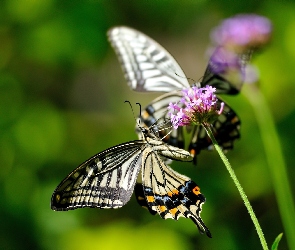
<point x="141" y="58"/>
<point x="159" y="56"/>
<point x="145" y="68"/>
<point x="162" y="80"/>
<point x="138" y="53"/>
<point x="147" y="74"/>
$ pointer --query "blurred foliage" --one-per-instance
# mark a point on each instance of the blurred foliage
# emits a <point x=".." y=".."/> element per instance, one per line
<point x="275" y="245"/>
<point x="62" y="99"/>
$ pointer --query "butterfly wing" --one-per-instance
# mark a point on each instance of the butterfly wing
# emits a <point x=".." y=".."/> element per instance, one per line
<point x="140" y="197"/>
<point x="148" y="67"/>
<point x="169" y="193"/>
<point x="226" y="130"/>
<point x="230" y="82"/>
<point x="106" y="180"/>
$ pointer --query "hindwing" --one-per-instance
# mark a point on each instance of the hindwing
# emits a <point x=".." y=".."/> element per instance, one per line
<point x="169" y="193"/>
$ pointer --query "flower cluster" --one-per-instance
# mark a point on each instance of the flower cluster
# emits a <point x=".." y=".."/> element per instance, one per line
<point x="236" y="40"/>
<point x="198" y="106"/>
<point x="242" y="32"/>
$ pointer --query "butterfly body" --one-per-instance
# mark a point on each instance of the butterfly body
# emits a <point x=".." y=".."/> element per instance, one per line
<point x="148" y="67"/>
<point x="107" y="180"/>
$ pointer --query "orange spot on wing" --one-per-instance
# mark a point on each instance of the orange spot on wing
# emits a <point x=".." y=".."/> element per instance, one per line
<point x="150" y="198"/>
<point x="174" y="191"/>
<point x="193" y="152"/>
<point x="173" y="211"/>
<point x="196" y="190"/>
<point x="145" y="114"/>
<point x="162" y="208"/>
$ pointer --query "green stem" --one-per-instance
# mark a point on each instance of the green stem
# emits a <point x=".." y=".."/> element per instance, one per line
<point x="275" y="160"/>
<point x="238" y="185"/>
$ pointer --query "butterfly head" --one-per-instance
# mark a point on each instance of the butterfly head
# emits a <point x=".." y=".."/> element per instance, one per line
<point x="149" y="132"/>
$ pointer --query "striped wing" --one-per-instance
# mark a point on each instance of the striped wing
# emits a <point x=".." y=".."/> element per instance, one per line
<point x="168" y="193"/>
<point x="104" y="181"/>
<point x="146" y="64"/>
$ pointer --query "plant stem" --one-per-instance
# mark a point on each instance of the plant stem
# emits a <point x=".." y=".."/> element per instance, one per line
<point x="238" y="185"/>
<point x="275" y="160"/>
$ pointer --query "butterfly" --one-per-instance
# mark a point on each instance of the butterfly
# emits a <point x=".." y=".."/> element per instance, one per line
<point x="148" y="67"/>
<point x="107" y="180"/>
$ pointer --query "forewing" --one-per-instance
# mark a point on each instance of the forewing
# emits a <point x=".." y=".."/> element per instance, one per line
<point x="106" y="180"/>
<point x="228" y="83"/>
<point x="146" y="64"/>
<point x="169" y="193"/>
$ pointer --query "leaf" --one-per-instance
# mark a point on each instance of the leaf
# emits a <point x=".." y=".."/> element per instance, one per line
<point x="276" y="242"/>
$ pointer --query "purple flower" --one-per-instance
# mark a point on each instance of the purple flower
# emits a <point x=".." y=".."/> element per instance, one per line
<point x="243" y="31"/>
<point x="223" y="60"/>
<point x="197" y="106"/>
<point x="229" y="66"/>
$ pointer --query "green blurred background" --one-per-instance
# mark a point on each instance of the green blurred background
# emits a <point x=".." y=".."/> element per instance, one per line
<point x="62" y="97"/>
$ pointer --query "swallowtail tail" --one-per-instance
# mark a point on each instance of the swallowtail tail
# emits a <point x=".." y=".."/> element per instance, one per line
<point x="107" y="180"/>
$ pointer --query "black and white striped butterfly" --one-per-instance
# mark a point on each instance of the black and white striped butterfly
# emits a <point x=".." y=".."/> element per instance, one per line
<point x="107" y="180"/>
<point x="148" y="67"/>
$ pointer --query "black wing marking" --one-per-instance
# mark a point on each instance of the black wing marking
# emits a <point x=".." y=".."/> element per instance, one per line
<point x="140" y="197"/>
<point x="226" y="130"/>
<point x="228" y="83"/>
<point x="148" y="67"/>
<point x="106" y="180"/>
<point x="169" y="193"/>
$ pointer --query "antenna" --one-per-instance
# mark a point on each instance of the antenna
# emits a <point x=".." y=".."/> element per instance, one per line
<point x="191" y="79"/>
<point x="131" y="108"/>
<point x="139" y="107"/>
<point x="137" y="121"/>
